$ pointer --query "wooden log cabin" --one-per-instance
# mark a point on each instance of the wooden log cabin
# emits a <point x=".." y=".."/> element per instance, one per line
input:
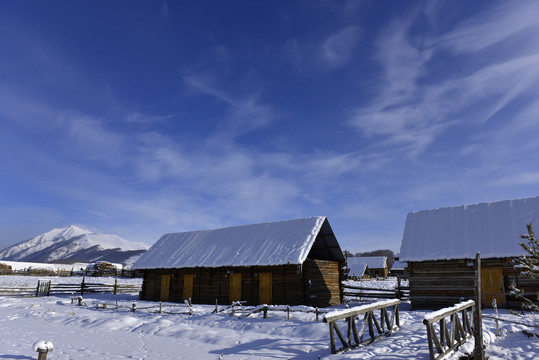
<point x="289" y="262"/>
<point x="439" y="247"/>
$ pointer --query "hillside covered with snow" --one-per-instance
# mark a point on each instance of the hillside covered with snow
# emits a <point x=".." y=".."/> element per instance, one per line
<point x="73" y="244"/>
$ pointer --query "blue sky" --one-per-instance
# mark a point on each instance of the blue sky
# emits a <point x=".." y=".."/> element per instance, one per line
<point x="140" y="118"/>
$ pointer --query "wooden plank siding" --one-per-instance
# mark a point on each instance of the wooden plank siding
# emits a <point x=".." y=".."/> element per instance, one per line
<point x="290" y="284"/>
<point x="324" y="282"/>
<point x="442" y="283"/>
<point x="379" y="272"/>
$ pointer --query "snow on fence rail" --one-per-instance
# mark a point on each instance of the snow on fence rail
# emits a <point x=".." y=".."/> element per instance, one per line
<point x="399" y="292"/>
<point x="18" y="291"/>
<point x="369" y="320"/>
<point x="45" y="288"/>
<point x="450" y="338"/>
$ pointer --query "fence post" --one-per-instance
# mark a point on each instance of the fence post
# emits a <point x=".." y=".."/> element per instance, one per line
<point x="115" y="285"/>
<point x="332" y="337"/>
<point x="82" y="286"/>
<point x="265" y="311"/>
<point x="317" y="314"/>
<point x="396" y="314"/>
<point x="429" y="338"/>
<point x="288" y="312"/>
<point x="42" y="348"/>
<point x="479" y="351"/>
<point x="494" y="305"/>
<point x="134" y="306"/>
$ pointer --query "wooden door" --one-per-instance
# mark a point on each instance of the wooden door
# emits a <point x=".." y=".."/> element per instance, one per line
<point x="492" y="287"/>
<point x="165" y="287"/>
<point x="235" y="287"/>
<point x="264" y="288"/>
<point x="188" y="282"/>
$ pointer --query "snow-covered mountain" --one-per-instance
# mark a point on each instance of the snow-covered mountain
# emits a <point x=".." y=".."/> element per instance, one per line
<point x="74" y="244"/>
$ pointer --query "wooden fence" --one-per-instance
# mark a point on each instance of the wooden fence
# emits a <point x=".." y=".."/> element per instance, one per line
<point x="18" y="291"/>
<point x="400" y="292"/>
<point x="85" y="288"/>
<point x="450" y="337"/>
<point x="45" y="288"/>
<point x="369" y="320"/>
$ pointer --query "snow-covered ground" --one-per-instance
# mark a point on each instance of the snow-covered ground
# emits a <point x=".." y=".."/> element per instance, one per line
<point x="87" y="332"/>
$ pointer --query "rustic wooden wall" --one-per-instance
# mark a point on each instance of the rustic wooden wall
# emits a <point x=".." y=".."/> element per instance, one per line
<point x="438" y="284"/>
<point x="289" y="284"/>
<point x="323" y="282"/>
<point x="213" y="283"/>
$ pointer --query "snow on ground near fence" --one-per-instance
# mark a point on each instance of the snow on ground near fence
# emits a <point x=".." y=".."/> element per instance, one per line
<point x="90" y="333"/>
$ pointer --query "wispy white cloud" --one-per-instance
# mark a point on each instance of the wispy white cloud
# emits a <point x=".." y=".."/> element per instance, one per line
<point x="187" y="184"/>
<point x="413" y="106"/>
<point x="493" y="26"/>
<point x="25" y="111"/>
<point x="521" y="178"/>
<point x="93" y="140"/>
<point x="338" y="48"/>
<point x="245" y="113"/>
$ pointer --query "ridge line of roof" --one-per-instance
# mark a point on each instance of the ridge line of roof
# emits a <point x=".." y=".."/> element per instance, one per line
<point x="245" y="225"/>
<point x="473" y="204"/>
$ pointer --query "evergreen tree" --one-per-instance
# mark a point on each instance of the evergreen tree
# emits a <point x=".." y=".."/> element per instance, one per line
<point x="527" y="265"/>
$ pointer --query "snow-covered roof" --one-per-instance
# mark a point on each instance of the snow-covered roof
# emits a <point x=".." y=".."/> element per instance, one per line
<point x="459" y="232"/>
<point x="398" y="265"/>
<point x="274" y="243"/>
<point x="373" y="262"/>
<point x="357" y="269"/>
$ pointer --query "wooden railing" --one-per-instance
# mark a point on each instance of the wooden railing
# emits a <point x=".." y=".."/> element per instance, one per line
<point x="450" y="337"/>
<point x="85" y="288"/>
<point x="399" y="292"/>
<point x="354" y="337"/>
<point x="45" y="288"/>
<point x="18" y="291"/>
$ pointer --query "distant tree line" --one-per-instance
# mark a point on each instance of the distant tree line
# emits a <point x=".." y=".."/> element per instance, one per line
<point x="381" y="252"/>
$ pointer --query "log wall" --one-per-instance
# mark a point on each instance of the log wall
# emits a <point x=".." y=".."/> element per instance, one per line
<point x="438" y="284"/>
<point x="290" y="284"/>
<point x="323" y="282"/>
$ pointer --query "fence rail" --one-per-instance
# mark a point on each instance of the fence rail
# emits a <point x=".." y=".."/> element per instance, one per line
<point x="450" y="337"/>
<point x="19" y="291"/>
<point x="369" y="321"/>
<point x="400" y="292"/>
<point x="45" y="288"/>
